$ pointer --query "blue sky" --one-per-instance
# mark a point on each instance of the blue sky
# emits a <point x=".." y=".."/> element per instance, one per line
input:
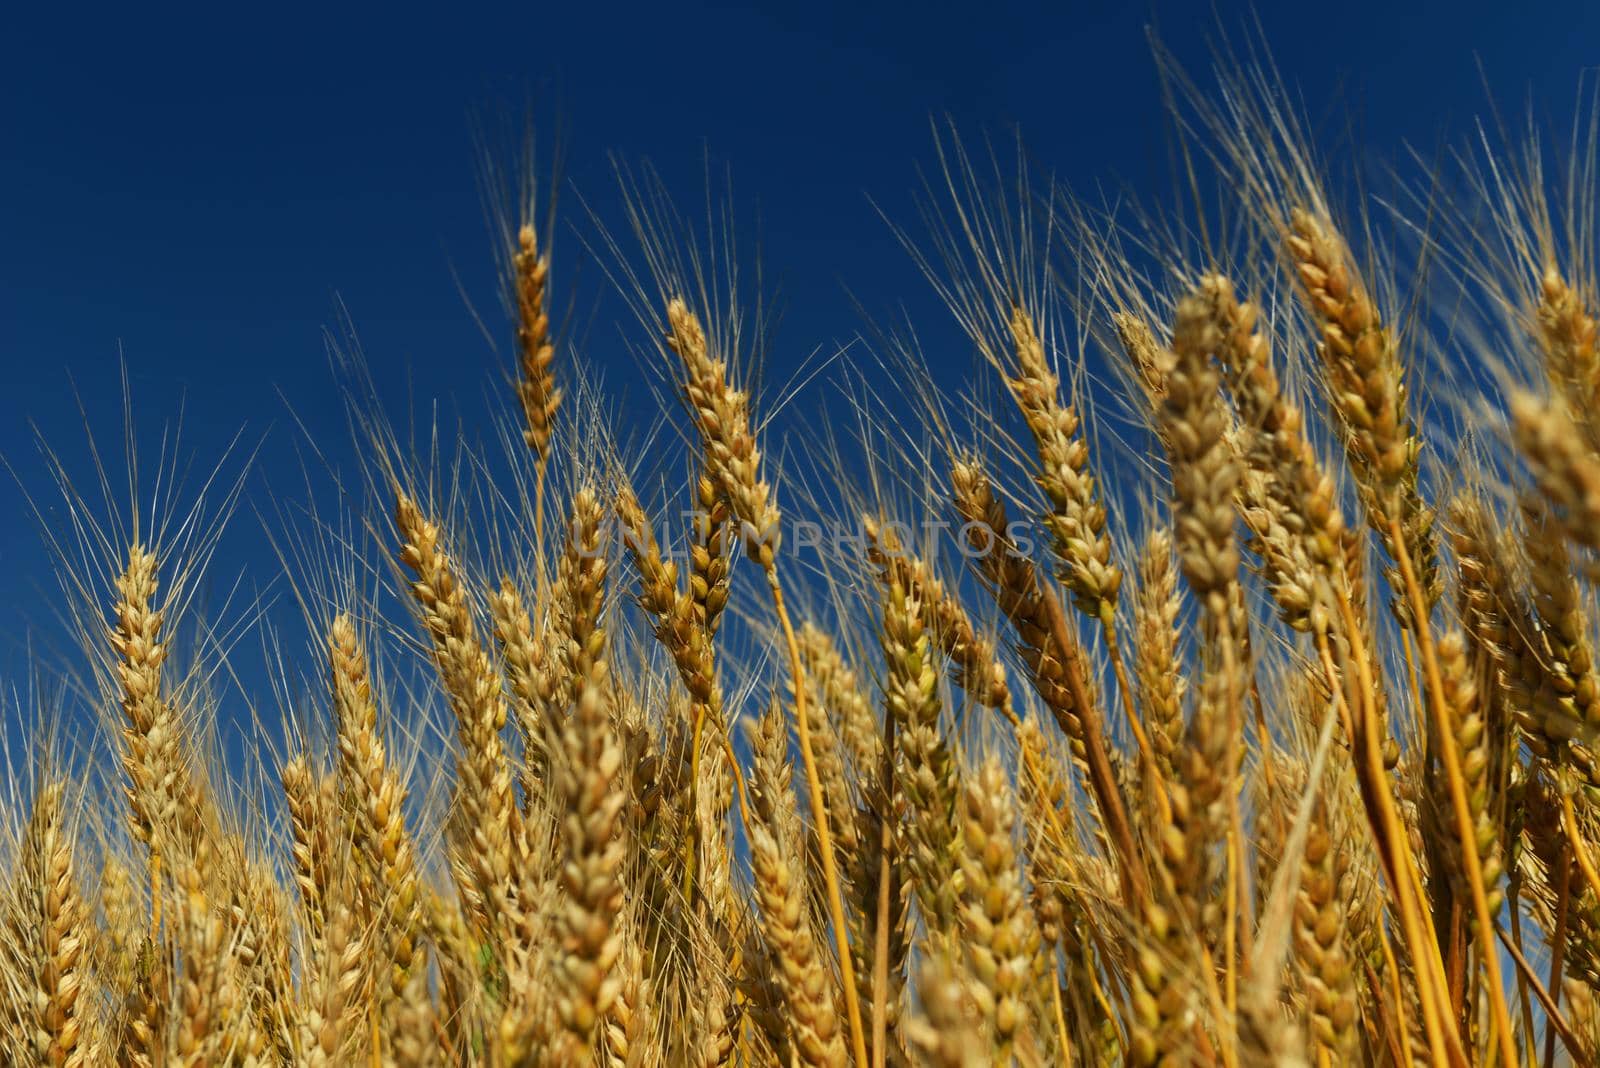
<point x="192" y="191"/>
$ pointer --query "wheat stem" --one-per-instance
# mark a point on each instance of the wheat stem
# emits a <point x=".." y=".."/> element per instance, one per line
<point x="819" y="818"/>
<point x="1465" y="824"/>
<point x="1388" y="830"/>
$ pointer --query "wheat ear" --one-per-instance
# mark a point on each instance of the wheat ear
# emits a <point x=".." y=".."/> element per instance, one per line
<point x="1567" y="333"/>
<point x="1077" y="516"/>
<point x="1366" y="384"/>
<point x="1003" y="943"/>
<point x="1051" y="651"/>
<point x="586" y="923"/>
<point x="473" y="687"/>
<point x="722" y="414"/>
<point x="537" y="390"/>
<point x="54" y="926"/>
<point x="372" y="791"/>
<point x="777" y="858"/>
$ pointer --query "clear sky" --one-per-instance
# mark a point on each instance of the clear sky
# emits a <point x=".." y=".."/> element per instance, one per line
<point x="192" y="191"/>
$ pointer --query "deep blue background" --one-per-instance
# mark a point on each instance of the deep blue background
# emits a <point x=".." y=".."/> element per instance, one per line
<point x="191" y="191"/>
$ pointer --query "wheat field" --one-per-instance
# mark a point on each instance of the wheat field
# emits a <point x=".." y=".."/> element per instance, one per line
<point x="1207" y="680"/>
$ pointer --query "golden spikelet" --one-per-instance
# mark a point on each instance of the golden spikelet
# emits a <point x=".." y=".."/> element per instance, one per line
<point x="536" y="351"/>
<point x="473" y="687"/>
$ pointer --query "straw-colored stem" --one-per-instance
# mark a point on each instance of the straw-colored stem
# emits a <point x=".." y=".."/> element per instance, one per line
<point x="691" y="850"/>
<point x="884" y="909"/>
<point x="1390" y="833"/>
<point x="1558" y="942"/>
<point x="1569" y="821"/>
<point x="1446" y="734"/>
<point x="1558" y="1022"/>
<point x="1100" y="775"/>
<point x="1061" y="1021"/>
<point x="819" y="818"/>
<point x="541" y="466"/>
<point x="1402" y="1021"/>
<point x="1230" y="922"/>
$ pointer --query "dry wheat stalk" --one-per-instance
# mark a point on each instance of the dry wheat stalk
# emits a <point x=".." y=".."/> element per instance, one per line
<point x="1446" y="829"/>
